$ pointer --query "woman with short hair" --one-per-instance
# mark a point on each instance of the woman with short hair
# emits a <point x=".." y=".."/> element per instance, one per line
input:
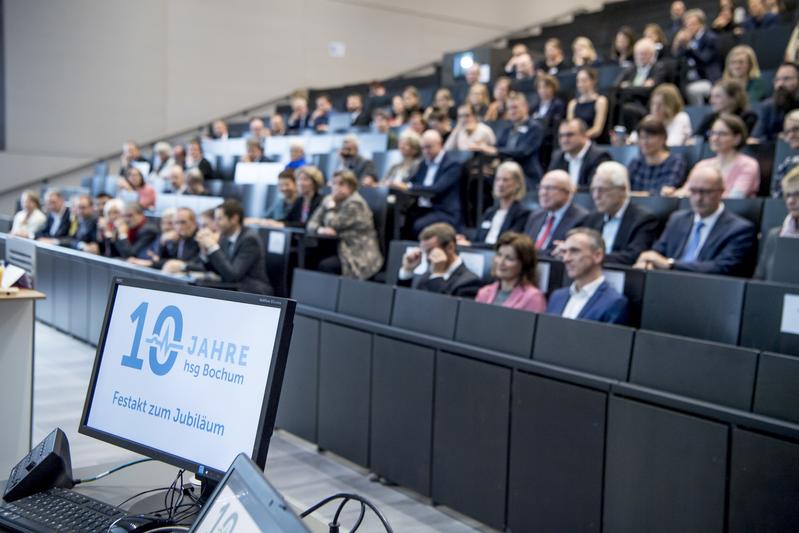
<point x="788" y="229"/>
<point x="655" y="170"/>
<point x="410" y="147"/>
<point x="346" y="215"/>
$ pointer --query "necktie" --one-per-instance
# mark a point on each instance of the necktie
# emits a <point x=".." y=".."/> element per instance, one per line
<point x="692" y="248"/>
<point x="180" y="249"/>
<point x="544" y="236"/>
<point x="230" y="249"/>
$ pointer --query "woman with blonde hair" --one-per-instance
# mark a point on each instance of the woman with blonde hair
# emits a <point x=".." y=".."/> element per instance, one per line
<point x="667" y="104"/>
<point x="410" y="147"/>
<point x="584" y="54"/>
<point x="741" y="66"/>
<point x="30" y="219"/>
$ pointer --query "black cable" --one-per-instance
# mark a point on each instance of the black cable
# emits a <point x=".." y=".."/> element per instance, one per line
<point x="360" y="518"/>
<point x="355" y="497"/>
<point x="142" y="493"/>
<point x="109" y="472"/>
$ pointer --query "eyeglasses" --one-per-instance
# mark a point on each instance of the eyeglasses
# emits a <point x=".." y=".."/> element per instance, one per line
<point x="793" y="195"/>
<point x="551" y="188"/>
<point x="566" y="135"/>
<point x="603" y="190"/>
<point x="718" y="133"/>
<point x="783" y="79"/>
<point x="703" y="192"/>
<point x="791" y="131"/>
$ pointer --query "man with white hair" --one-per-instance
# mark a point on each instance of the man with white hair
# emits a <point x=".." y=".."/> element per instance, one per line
<point x="549" y="225"/>
<point x="634" y="85"/>
<point x="350" y="159"/>
<point x="706" y="238"/>
<point x="626" y="228"/>
<point x="296" y="155"/>
<point x="177" y="180"/>
<point x="162" y="158"/>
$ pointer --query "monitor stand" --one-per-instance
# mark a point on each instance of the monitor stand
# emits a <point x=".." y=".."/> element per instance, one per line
<point x="200" y="487"/>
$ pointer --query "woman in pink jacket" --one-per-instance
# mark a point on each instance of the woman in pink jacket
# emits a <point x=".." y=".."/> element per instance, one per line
<point x="514" y="269"/>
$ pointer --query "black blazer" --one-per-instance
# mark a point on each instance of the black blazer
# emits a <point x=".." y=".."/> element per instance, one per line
<point x="245" y="264"/>
<point x="463" y="282"/>
<point x="172" y="250"/>
<point x="525" y="151"/>
<point x="63" y="226"/>
<point x="593" y="157"/>
<point x="361" y="119"/>
<point x="514" y="220"/>
<point x="637" y="231"/>
<point x="86" y="233"/>
<point x="572" y="218"/>
<point x="729" y="248"/>
<point x="137" y="248"/>
<point x="445" y="188"/>
<point x="294" y="216"/>
<point x="706" y="56"/>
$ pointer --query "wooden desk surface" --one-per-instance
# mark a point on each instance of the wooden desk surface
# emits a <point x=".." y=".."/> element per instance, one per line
<point x="22" y="294"/>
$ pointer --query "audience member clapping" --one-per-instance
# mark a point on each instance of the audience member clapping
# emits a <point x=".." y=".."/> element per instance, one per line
<point x="698" y="47"/>
<point x="29" y="220"/>
<point x="514" y="269"/>
<point x="346" y="215"/>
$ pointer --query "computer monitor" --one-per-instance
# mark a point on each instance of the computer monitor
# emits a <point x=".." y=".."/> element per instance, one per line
<point x="245" y="501"/>
<point x="187" y="375"/>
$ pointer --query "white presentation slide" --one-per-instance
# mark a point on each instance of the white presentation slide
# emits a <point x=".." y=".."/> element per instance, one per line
<point x="184" y="374"/>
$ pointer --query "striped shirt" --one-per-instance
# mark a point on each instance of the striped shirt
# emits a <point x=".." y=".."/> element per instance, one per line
<point x="652" y="178"/>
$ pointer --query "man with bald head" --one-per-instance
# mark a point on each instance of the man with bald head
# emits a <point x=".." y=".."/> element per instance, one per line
<point x="626" y="228"/>
<point x="706" y="238"/>
<point x="177" y="180"/>
<point x="438" y="182"/>
<point x="549" y="225"/>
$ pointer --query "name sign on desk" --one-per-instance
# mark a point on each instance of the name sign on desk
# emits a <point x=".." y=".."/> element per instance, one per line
<point x="263" y="173"/>
<point x="790" y="314"/>
<point x="179" y="368"/>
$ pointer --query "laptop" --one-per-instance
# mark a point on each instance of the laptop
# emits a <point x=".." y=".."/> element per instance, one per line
<point x="245" y="501"/>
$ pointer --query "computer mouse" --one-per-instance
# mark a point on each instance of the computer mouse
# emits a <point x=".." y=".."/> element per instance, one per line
<point x="137" y="524"/>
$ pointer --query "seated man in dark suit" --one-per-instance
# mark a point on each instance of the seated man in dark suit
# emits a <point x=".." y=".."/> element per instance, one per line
<point x="255" y="152"/>
<point x="589" y="297"/>
<point x="438" y="178"/>
<point x="173" y="254"/>
<point x="549" y="225"/>
<point x="698" y="47"/>
<point x="350" y="159"/>
<point x="635" y="83"/>
<point x="84" y="224"/>
<point x="134" y="233"/>
<point x="359" y="116"/>
<point x="58" y="217"/>
<point x="785" y="99"/>
<point x="522" y="141"/>
<point x="578" y="156"/>
<point x="446" y="273"/>
<point x="626" y="228"/>
<point x="236" y="253"/>
<point x="706" y="238"/>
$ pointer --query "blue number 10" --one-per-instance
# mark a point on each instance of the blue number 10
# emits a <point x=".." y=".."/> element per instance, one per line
<point x="133" y="360"/>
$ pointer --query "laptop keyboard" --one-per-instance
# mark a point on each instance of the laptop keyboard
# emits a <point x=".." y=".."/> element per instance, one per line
<point x="58" y="510"/>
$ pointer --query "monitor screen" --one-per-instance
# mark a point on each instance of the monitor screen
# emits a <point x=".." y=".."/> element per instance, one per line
<point x="245" y="501"/>
<point x="188" y="375"/>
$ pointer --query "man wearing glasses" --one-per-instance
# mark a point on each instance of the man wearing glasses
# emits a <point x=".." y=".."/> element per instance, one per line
<point x="790" y="134"/>
<point x="549" y="225"/>
<point x="707" y="238"/>
<point x="626" y="228"/>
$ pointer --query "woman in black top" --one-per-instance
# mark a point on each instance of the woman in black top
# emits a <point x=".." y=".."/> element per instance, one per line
<point x="310" y="182"/>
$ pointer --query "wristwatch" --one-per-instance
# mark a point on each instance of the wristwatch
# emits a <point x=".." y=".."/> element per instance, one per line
<point x="670" y="260"/>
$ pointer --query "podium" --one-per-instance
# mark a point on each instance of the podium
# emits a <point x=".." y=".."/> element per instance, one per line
<point x="17" y="321"/>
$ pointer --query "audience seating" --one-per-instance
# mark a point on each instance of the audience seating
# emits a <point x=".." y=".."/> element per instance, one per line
<point x="762" y="317"/>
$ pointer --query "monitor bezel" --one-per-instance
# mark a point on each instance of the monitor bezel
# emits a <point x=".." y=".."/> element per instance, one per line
<point x="254" y="478"/>
<point x="274" y="383"/>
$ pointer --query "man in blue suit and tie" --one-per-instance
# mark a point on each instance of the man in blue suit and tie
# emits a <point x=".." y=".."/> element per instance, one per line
<point x="706" y="238"/>
<point x="589" y="297"/>
<point x="438" y="180"/>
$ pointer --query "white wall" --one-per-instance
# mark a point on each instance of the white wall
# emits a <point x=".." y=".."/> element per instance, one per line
<point x="84" y="75"/>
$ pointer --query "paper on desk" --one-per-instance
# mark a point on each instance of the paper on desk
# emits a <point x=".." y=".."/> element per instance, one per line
<point x="790" y="314"/>
<point x="11" y="275"/>
<point x="277" y="242"/>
